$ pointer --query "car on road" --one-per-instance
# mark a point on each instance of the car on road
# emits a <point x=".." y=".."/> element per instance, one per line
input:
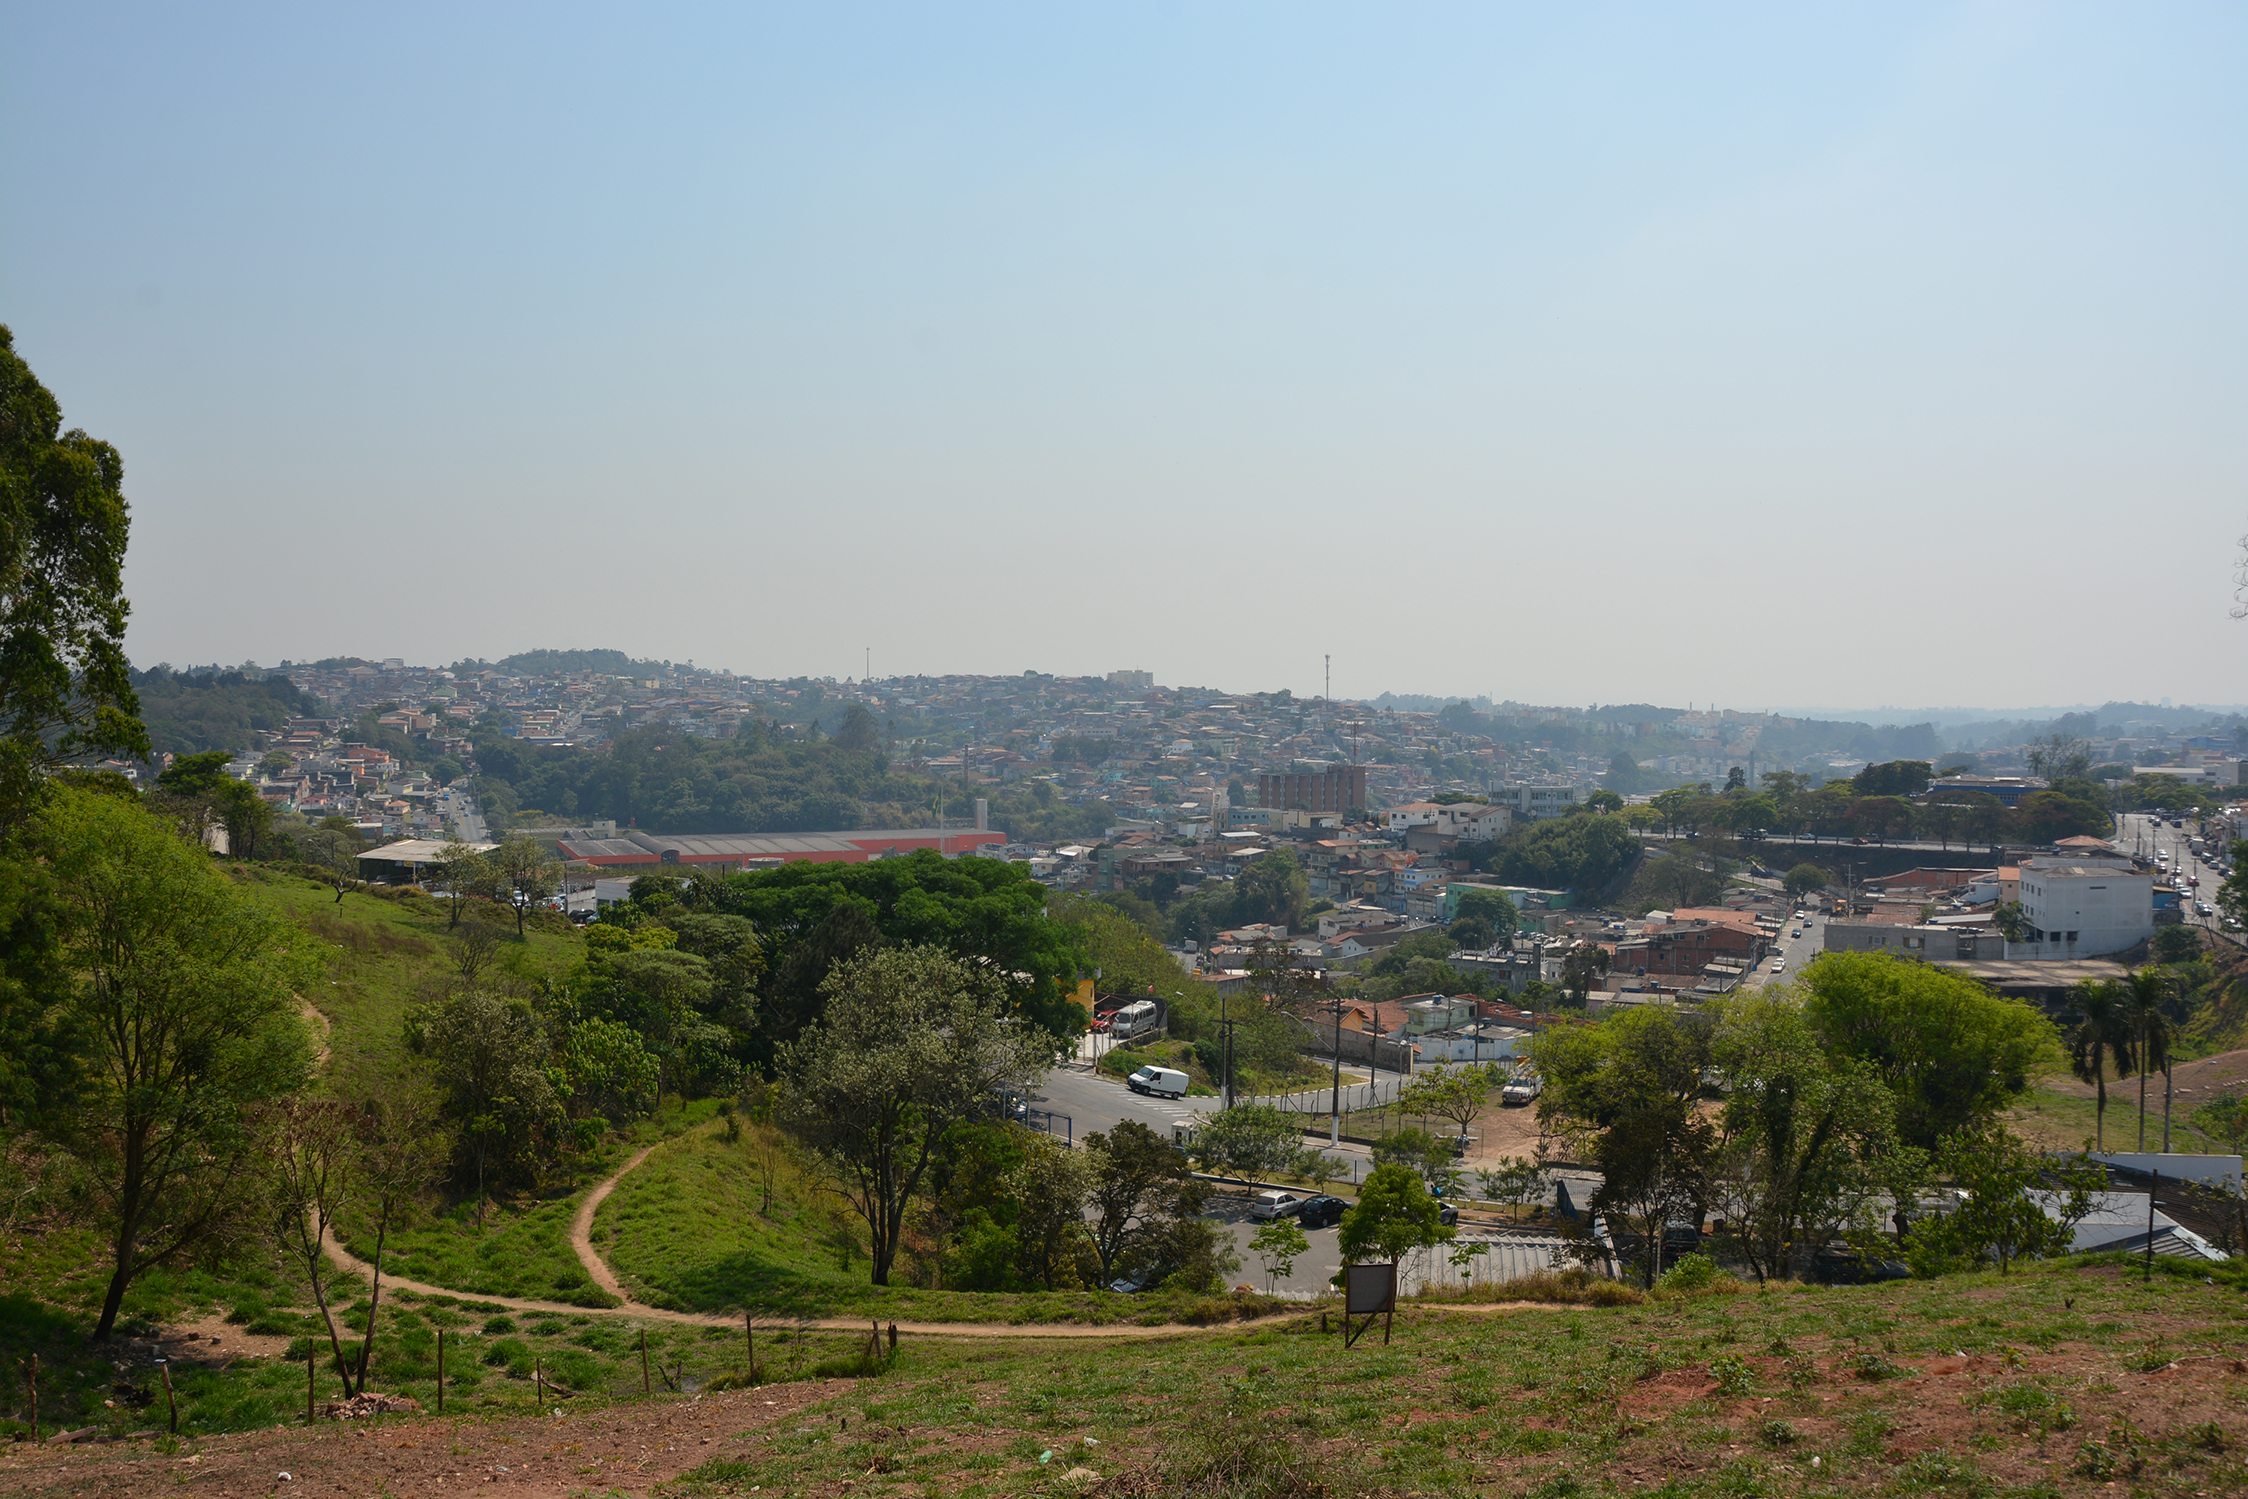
<point x="1266" y="1206"/>
<point x="1320" y="1212"/>
<point x="2203" y="908"/>
<point x="1158" y="1082"/>
<point x="1779" y="964"/>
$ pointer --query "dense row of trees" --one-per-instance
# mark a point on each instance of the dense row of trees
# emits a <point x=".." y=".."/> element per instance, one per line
<point x="194" y="712"/>
<point x="1883" y="802"/>
<point x="766" y="779"/>
<point x="1802" y="1116"/>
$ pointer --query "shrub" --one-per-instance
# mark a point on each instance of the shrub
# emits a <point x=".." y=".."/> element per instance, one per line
<point x="1873" y="1366"/>
<point x="1776" y="1433"/>
<point x="1575" y="1286"/>
<point x="1733" y="1375"/>
<point x="1696" y="1275"/>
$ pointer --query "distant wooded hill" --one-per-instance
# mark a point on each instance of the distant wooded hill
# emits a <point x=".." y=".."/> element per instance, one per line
<point x="665" y="781"/>
<point x="188" y="713"/>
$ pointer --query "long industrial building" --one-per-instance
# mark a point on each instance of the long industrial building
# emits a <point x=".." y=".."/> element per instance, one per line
<point x="723" y="851"/>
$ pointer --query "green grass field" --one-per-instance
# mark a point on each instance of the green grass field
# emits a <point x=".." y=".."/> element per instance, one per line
<point x="689" y="1231"/>
<point x="2062" y="1121"/>
<point x="383" y="953"/>
<point x="2056" y="1381"/>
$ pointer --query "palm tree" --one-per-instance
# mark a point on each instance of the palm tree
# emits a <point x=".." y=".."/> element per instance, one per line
<point x="2143" y="998"/>
<point x="2100" y="1036"/>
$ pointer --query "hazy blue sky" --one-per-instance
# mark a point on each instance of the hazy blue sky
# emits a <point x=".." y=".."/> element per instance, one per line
<point x="1566" y="353"/>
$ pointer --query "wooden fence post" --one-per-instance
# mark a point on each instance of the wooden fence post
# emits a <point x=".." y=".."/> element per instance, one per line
<point x="308" y="1365"/>
<point x="441" y="1371"/>
<point x="170" y="1404"/>
<point x="749" y="1336"/>
<point x="645" y="1387"/>
<point x="35" y="1397"/>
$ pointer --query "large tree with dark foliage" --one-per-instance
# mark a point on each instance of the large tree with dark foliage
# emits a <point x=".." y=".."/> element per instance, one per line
<point x="66" y="693"/>
<point x="811" y="917"/>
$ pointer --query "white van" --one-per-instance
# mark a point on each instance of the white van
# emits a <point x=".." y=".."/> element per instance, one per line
<point x="1135" y="1019"/>
<point x="1159" y="1082"/>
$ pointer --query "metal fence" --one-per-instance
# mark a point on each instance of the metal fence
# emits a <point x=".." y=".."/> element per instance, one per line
<point x="1052" y="1123"/>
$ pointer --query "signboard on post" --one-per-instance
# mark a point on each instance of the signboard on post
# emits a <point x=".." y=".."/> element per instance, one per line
<point x="1369" y="1291"/>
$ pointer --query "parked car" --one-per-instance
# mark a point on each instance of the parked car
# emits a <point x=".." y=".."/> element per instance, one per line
<point x="1099" y="1026"/>
<point x="1521" y="1090"/>
<point x="1320" y="1212"/>
<point x="1132" y="1285"/>
<point x="1134" y="1019"/>
<point x="1266" y="1206"/>
<point x="1447" y="1215"/>
<point x="1158" y="1082"/>
<point x="2203" y="908"/>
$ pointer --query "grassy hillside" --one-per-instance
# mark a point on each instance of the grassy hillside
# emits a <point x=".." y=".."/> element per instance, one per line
<point x="2055" y="1120"/>
<point x="689" y="1230"/>
<point x="383" y="953"/>
<point x="2058" y="1381"/>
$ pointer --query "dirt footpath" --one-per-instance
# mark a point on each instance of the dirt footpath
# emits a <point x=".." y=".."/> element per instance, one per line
<point x="622" y="1449"/>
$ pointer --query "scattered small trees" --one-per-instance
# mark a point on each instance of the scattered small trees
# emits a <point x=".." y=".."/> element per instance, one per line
<point x="1805" y="879"/>
<point x="912" y="1040"/>
<point x="185" y="993"/>
<point x="1138" y="1184"/>
<point x="1252" y="1142"/>
<point x="1393" y="1215"/>
<point x="2142" y="1000"/>
<point x="2006" y="1209"/>
<point x="2099" y="1036"/>
<point x="529" y="875"/>
<point x="1458" y="1094"/>
<point x="1277" y="1246"/>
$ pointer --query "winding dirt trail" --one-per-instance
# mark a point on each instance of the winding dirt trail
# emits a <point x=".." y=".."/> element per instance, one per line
<point x="581" y="1243"/>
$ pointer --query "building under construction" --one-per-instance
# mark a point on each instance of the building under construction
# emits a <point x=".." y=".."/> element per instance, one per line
<point x="1339" y="788"/>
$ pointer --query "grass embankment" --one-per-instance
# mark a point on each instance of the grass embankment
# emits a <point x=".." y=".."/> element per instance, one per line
<point x="2054" y="1120"/>
<point x="253" y="1375"/>
<point x="690" y="1230"/>
<point x="384" y="952"/>
<point x="2052" y="1381"/>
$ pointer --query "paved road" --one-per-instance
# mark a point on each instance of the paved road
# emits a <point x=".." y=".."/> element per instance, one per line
<point x="2146" y="835"/>
<point x="1798" y="951"/>
<point x="461" y="810"/>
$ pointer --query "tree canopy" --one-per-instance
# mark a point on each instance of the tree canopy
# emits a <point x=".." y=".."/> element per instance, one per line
<point x="66" y="692"/>
<point x="1950" y="1051"/>
<point x="811" y="916"/>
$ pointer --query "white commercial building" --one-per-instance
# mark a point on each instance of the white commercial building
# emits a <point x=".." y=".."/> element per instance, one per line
<point x="2082" y="908"/>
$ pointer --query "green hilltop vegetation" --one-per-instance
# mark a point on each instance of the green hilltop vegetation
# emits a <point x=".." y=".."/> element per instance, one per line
<point x="760" y="781"/>
<point x="196" y="711"/>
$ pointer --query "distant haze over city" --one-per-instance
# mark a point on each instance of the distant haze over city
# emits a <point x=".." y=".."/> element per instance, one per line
<point x="1755" y="355"/>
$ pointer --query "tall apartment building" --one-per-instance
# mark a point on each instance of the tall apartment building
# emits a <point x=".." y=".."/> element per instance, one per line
<point x="1135" y="681"/>
<point x="1337" y="789"/>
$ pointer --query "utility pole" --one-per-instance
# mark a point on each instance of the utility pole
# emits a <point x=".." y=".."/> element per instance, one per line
<point x="1327" y="695"/>
<point x="1335" y="1104"/>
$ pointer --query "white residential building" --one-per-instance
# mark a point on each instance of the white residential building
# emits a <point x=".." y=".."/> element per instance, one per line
<point x="2083" y="908"/>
